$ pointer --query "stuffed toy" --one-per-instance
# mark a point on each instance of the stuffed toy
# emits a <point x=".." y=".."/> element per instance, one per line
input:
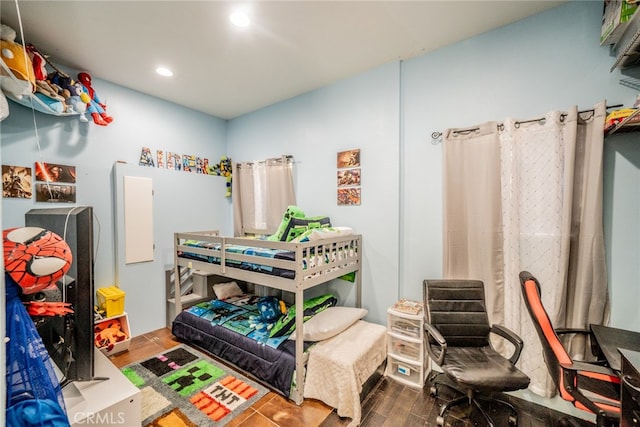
<point x="38" y="62"/>
<point x="34" y="257"/>
<point x="94" y="106"/>
<point x="14" y="60"/>
<point x="107" y="334"/>
<point x="225" y="170"/>
<point x="4" y="106"/>
<point x="221" y="169"/>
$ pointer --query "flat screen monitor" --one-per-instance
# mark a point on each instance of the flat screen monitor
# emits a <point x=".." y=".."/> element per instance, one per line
<point x="70" y="340"/>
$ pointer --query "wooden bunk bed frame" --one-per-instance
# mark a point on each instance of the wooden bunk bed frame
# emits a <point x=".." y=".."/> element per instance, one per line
<point x="305" y="277"/>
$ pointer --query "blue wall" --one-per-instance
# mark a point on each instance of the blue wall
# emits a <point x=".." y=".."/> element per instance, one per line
<point x="139" y="120"/>
<point x="550" y="61"/>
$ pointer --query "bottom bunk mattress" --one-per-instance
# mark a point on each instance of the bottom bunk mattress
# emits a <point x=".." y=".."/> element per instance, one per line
<point x="274" y="366"/>
<point x="337" y="367"/>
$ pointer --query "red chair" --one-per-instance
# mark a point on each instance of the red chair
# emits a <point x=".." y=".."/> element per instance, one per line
<point x="589" y="386"/>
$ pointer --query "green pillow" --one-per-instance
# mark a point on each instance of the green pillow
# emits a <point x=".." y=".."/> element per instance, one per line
<point x="287" y="323"/>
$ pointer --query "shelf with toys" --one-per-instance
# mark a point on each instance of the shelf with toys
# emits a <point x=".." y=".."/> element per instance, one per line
<point x="622" y="120"/>
<point x="29" y="79"/>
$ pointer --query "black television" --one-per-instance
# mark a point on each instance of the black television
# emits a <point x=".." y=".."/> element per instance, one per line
<point x="70" y="339"/>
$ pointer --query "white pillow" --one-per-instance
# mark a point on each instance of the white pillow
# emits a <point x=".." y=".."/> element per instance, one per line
<point x="330" y="322"/>
<point x="227" y="290"/>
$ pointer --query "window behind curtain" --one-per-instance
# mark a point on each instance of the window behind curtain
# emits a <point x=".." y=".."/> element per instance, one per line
<point x="262" y="192"/>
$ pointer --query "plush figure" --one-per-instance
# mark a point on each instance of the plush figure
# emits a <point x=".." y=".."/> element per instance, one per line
<point x="270" y="309"/>
<point x="17" y="62"/>
<point x="221" y="169"/>
<point x="37" y="308"/>
<point x="4" y="106"/>
<point x="107" y="334"/>
<point x="38" y="62"/>
<point x="35" y="257"/>
<point x="225" y="170"/>
<point x="94" y="106"/>
<point x="72" y="92"/>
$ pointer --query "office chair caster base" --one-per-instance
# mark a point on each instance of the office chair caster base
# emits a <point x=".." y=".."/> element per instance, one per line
<point x="433" y="391"/>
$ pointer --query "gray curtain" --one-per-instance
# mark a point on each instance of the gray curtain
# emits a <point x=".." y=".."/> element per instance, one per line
<point x="527" y="195"/>
<point x="262" y="191"/>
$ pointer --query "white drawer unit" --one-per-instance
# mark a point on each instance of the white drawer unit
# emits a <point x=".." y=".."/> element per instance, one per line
<point x="407" y="361"/>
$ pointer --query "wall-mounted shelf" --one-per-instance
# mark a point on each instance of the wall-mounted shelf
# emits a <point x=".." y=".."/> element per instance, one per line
<point x="623" y="125"/>
<point x="35" y="100"/>
<point x="627" y="49"/>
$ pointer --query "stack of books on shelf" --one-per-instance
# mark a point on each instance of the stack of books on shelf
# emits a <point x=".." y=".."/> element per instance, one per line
<point x="408" y="306"/>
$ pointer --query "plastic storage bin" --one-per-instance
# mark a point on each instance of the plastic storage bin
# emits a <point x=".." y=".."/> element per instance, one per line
<point x="111" y="300"/>
<point x="117" y="344"/>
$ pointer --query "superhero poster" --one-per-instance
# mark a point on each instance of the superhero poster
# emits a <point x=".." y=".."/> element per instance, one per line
<point x="53" y="172"/>
<point x="55" y="193"/>
<point x="16" y="182"/>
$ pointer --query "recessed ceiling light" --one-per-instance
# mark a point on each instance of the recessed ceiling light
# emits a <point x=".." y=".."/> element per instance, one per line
<point x="239" y="19"/>
<point x="163" y="71"/>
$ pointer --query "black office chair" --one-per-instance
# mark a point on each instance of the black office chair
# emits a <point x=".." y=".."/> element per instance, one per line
<point x="588" y="386"/>
<point x="457" y="333"/>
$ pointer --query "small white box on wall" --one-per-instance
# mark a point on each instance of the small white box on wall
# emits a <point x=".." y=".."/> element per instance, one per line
<point x="138" y="219"/>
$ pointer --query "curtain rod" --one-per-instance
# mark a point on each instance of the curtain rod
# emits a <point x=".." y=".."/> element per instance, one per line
<point x="435" y="136"/>
<point x="285" y="158"/>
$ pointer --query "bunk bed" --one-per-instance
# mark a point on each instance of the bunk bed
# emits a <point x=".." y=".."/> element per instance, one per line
<point x="288" y="266"/>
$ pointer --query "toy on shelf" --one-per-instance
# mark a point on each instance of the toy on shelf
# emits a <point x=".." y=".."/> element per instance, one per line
<point x="221" y="169"/>
<point x="94" y="106"/>
<point x="16" y="74"/>
<point x="74" y="97"/>
<point x="24" y="79"/>
<point x="108" y="333"/>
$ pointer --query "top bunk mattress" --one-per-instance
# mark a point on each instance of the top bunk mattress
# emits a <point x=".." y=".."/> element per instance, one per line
<point x="327" y="252"/>
<point x="244" y="250"/>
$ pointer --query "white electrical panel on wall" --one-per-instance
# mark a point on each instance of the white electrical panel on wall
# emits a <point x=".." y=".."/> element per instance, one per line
<point x="138" y="219"/>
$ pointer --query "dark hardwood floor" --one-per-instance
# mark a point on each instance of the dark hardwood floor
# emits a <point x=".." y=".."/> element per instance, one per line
<point x="388" y="404"/>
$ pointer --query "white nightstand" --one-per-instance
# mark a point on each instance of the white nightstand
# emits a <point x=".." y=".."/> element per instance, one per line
<point x="406" y="355"/>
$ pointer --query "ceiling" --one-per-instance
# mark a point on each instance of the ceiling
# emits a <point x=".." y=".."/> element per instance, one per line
<point x="291" y="47"/>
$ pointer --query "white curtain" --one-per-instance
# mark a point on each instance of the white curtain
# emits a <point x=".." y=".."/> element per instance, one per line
<point x="536" y="206"/>
<point x="262" y="191"/>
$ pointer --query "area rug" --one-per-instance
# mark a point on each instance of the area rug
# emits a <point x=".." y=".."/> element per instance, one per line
<point x="184" y="387"/>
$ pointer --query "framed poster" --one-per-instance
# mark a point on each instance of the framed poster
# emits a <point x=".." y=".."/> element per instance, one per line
<point x="349" y="159"/>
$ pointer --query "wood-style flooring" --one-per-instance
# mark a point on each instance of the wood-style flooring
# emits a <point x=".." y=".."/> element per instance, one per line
<point x="389" y="403"/>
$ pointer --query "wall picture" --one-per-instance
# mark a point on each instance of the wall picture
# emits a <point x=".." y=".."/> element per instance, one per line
<point x="349" y="159"/>
<point x="16" y="182"/>
<point x="160" y="158"/>
<point x="348" y="177"/>
<point x="54" y="172"/>
<point x="349" y="196"/>
<point x="55" y="193"/>
<point x="146" y="158"/>
<point x="188" y="162"/>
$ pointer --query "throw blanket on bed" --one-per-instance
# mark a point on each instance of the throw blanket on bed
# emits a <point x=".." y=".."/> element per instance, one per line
<point x="339" y="366"/>
<point x="263" y="252"/>
<point x="239" y="314"/>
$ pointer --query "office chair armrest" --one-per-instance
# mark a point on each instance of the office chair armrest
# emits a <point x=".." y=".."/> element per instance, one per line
<point x="432" y="334"/>
<point x="593" y="369"/>
<point x="592" y="343"/>
<point x="561" y="331"/>
<point x="510" y="336"/>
